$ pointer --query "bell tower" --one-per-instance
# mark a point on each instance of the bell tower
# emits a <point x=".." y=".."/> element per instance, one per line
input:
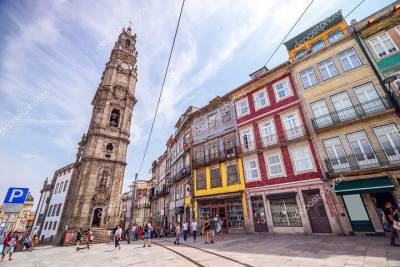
<point x="96" y="185"/>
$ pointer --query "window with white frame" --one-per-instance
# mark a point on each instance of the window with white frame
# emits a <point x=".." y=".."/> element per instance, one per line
<point x="247" y="139"/>
<point x="242" y="107"/>
<point x="383" y="45"/>
<point x="251" y="168"/>
<point x="308" y="77"/>
<point x="260" y="99"/>
<point x="302" y="159"/>
<point x="327" y="69"/>
<point x="293" y="125"/>
<point x="349" y="59"/>
<point x="268" y="133"/>
<point x="282" y="89"/>
<point x="335" y="36"/>
<point x="301" y="53"/>
<point x="317" y="45"/>
<point x="389" y="138"/>
<point x="212" y="121"/>
<point x="275" y="167"/>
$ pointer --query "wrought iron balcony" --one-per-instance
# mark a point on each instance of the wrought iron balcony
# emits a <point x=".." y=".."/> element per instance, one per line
<point x="373" y="159"/>
<point x="217" y="157"/>
<point x="351" y="113"/>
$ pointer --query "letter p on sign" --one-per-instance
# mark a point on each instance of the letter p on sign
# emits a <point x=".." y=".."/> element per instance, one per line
<point x="16" y="195"/>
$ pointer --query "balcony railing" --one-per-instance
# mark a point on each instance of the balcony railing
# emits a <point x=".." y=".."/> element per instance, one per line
<point x="372" y="159"/>
<point x="351" y="113"/>
<point x="216" y="157"/>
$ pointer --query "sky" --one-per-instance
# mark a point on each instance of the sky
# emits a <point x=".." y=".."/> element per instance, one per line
<point x="52" y="55"/>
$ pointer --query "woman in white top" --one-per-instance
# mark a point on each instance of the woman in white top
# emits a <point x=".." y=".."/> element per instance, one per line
<point x="185" y="228"/>
<point x="194" y="229"/>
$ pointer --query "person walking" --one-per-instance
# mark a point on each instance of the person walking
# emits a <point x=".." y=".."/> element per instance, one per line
<point x="213" y="224"/>
<point x="78" y="238"/>
<point x="219" y="228"/>
<point x="206" y="230"/>
<point x="178" y="231"/>
<point x="9" y="243"/>
<point x="185" y="229"/>
<point x="117" y="237"/>
<point x="147" y="229"/>
<point x="194" y="229"/>
<point x="140" y="232"/>
<point x="391" y="219"/>
<point x="134" y="234"/>
<point x="27" y="243"/>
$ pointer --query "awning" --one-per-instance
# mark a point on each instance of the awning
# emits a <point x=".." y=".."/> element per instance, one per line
<point x="285" y="195"/>
<point x="379" y="184"/>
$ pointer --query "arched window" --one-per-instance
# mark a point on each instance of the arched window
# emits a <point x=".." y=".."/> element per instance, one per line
<point x="128" y="43"/>
<point x="109" y="147"/>
<point x="114" y="118"/>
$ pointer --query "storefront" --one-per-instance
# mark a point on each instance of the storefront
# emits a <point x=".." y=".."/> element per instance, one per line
<point x="228" y="207"/>
<point x="364" y="201"/>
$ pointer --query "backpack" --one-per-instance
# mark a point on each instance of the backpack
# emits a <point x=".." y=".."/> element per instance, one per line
<point x="146" y="228"/>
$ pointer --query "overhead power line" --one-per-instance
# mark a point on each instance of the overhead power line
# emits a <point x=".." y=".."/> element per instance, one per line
<point x="287" y="34"/>
<point x="357" y="6"/>
<point x="162" y="89"/>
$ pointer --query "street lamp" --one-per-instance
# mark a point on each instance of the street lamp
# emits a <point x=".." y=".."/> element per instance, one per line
<point x="389" y="80"/>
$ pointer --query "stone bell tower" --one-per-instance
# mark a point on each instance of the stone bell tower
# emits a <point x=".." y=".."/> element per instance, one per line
<point x="96" y="186"/>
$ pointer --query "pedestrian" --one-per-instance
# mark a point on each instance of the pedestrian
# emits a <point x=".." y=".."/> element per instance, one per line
<point x="213" y="224"/>
<point x="177" y="234"/>
<point x="117" y="237"/>
<point x="185" y="229"/>
<point x="194" y="229"/>
<point x="206" y="230"/>
<point x="35" y="240"/>
<point x="27" y="243"/>
<point x="140" y="232"/>
<point x="9" y="243"/>
<point x="391" y="218"/>
<point x="147" y="229"/>
<point x="134" y="235"/>
<point x="78" y="238"/>
<point x="219" y="228"/>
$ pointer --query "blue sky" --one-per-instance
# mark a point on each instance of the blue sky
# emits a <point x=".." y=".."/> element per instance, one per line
<point x="53" y="53"/>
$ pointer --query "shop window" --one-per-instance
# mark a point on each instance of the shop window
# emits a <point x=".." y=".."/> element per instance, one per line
<point x="232" y="173"/>
<point x="216" y="180"/>
<point x="285" y="213"/>
<point x="235" y="214"/>
<point x="201" y="180"/>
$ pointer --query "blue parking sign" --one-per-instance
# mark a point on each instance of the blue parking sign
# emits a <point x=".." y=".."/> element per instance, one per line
<point x="16" y="195"/>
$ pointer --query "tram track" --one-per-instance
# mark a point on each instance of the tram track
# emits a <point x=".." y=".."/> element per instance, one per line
<point x="191" y="253"/>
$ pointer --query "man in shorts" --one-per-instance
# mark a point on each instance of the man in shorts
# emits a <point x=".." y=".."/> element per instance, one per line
<point x="147" y="233"/>
<point x="213" y="225"/>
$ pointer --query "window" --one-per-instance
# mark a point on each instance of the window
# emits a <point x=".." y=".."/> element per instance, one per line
<point x="282" y="90"/>
<point x="302" y="159"/>
<point x="22" y="225"/>
<point x="50" y="211"/>
<point x="199" y="153"/>
<point x="268" y="133"/>
<point x="383" y="45"/>
<point x="389" y="138"/>
<point x="54" y="225"/>
<point x="54" y="210"/>
<point x="260" y="99"/>
<point x="199" y="126"/>
<point x="274" y="163"/>
<point x="45" y="225"/>
<point x="59" y="209"/>
<point x="285" y="213"/>
<point x="243" y="107"/>
<point x="216" y="180"/>
<point x="301" y="53"/>
<point x="212" y="121"/>
<point x="343" y="106"/>
<point x="251" y="168"/>
<point x="226" y="114"/>
<point x="308" y="78"/>
<point x="201" y="180"/>
<point x="213" y="149"/>
<point x="229" y="145"/>
<point x="56" y="189"/>
<point x="335" y="36"/>
<point x="109" y="147"/>
<point x="114" y="118"/>
<point x="349" y="59"/>
<point x="327" y="69"/>
<point x="337" y="156"/>
<point x="369" y="98"/>
<point x="293" y="126"/>
<point x="362" y="149"/>
<point x="247" y="139"/>
<point x="65" y="185"/>
<point x="257" y="206"/>
<point x="317" y="46"/>
<point x="61" y="187"/>
<point x="50" y="224"/>
<point x="232" y="173"/>
<point x="322" y="118"/>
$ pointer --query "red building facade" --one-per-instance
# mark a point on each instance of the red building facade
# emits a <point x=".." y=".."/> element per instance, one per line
<point x="284" y="188"/>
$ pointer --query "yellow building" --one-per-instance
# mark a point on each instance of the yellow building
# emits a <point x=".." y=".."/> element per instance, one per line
<point x="354" y="124"/>
<point x="19" y="221"/>
<point x="218" y="179"/>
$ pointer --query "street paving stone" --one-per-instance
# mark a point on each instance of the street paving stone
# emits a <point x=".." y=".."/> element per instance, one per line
<point x="255" y="250"/>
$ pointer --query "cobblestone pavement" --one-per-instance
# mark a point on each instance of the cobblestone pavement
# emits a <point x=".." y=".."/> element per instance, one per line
<point x="250" y="250"/>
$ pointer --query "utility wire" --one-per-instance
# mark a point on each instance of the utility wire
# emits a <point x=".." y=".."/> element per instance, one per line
<point x="162" y="88"/>
<point x="357" y="6"/>
<point x="287" y="34"/>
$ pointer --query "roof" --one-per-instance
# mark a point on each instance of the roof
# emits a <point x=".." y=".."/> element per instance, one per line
<point x="313" y="31"/>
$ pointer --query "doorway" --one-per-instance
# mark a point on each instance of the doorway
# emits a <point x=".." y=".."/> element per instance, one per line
<point x="97" y="215"/>
<point x="380" y="199"/>
<point x="259" y="215"/>
<point x="316" y="212"/>
<point x="357" y="212"/>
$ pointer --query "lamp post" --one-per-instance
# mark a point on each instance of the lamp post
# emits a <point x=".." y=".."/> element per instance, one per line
<point x="389" y="80"/>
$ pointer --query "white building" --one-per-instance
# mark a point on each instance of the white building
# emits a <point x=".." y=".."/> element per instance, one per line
<point x="41" y="208"/>
<point x="54" y="210"/>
